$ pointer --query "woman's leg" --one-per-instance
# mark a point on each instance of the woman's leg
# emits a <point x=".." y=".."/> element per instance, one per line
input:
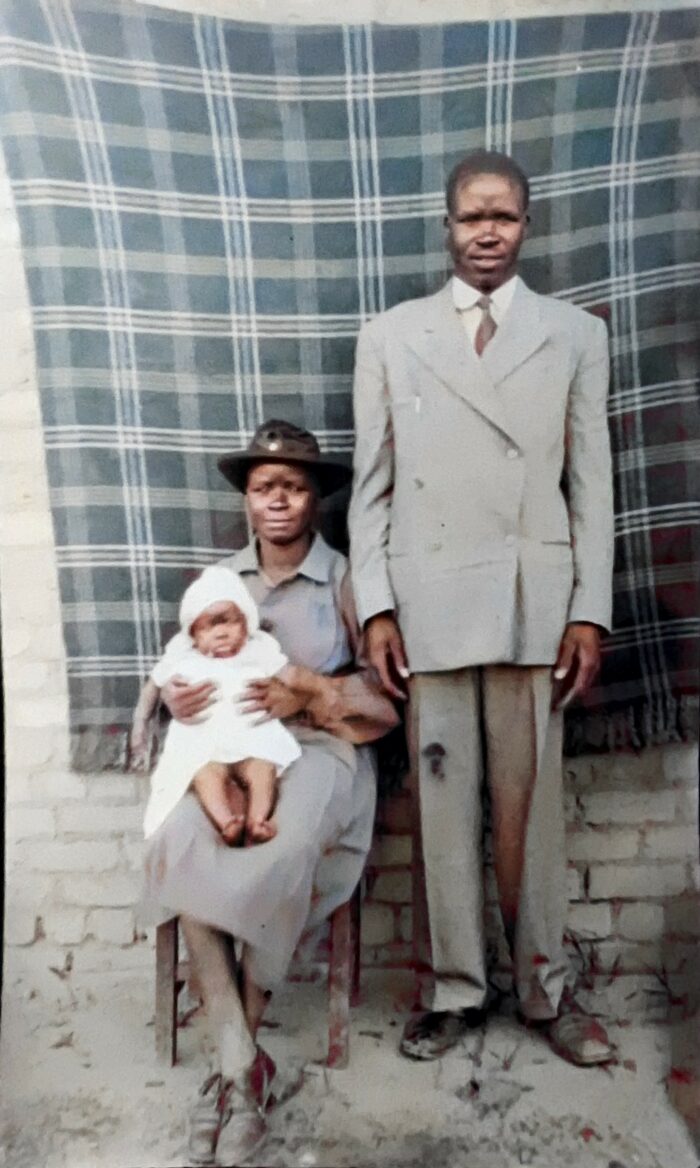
<point x="227" y="1117"/>
<point x="215" y="792"/>
<point x="255" y="999"/>
<point x="212" y="956"/>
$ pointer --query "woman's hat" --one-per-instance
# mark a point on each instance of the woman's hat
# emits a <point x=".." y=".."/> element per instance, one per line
<point x="279" y="441"/>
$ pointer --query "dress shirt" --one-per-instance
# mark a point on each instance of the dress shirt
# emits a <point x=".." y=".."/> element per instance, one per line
<point x="465" y="298"/>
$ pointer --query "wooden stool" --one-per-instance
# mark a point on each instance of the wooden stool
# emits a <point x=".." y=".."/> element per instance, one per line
<point x="343" y="983"/>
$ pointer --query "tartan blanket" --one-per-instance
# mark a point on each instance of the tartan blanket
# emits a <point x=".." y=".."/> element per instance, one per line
<point x="208" y="211"/>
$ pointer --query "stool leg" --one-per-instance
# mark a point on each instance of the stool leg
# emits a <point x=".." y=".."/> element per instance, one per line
<point x="339" y="988"/>
<point x="166" y="992"/>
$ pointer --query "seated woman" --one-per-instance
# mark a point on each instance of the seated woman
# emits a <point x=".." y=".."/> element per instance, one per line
<point x="266" y="896"/>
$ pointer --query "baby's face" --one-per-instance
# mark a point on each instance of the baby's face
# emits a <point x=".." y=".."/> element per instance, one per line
<point x="220" y="631"/>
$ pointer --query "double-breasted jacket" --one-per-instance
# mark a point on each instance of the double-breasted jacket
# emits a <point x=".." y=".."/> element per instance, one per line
<point x="482" y="499"/>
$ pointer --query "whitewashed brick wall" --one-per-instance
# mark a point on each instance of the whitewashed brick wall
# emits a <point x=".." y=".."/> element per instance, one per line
<point x="634" y="911"/>
<point x="74" y="841"/>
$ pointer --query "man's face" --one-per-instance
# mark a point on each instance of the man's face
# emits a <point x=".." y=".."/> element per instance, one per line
<point x="220" y="631"/>
<point x="281" y="502"/>
<point x="485" y="231"/>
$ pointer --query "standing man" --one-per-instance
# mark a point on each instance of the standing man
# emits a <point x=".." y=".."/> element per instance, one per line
<point x="481" y="546"/>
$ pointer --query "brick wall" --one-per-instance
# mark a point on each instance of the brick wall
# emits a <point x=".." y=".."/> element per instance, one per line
<point x="74" y="841"/>
<point x="634" y="907"/>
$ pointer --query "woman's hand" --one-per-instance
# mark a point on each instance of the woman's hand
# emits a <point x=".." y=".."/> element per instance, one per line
<point x="139" y="745"/>
<point x="271" y="698"/>
<point x="185" y="700"/>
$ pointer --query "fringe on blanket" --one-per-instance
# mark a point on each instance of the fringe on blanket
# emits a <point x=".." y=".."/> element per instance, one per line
<point x="655" y="721"/>
<point x="93" y="751"/>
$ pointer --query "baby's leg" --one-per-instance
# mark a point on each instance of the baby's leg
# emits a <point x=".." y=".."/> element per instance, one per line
<point x="222" y="801"/>
<point x="260" y="779"/>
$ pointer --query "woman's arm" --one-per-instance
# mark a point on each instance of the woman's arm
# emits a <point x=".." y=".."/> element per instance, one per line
<point x="351" y="706"/>
<point x="139" y="739"/>
<point x="355" y="706"/>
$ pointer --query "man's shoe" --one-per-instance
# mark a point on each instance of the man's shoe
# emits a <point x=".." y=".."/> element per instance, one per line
<point x="431" y="1035"/>
<point x="577" y="1038"/>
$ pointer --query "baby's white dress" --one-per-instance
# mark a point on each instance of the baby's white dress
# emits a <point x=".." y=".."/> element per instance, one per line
<point x="222" y="733"/>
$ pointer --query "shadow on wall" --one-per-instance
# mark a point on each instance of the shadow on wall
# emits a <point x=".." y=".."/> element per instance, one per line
<point x="682" y="931"/>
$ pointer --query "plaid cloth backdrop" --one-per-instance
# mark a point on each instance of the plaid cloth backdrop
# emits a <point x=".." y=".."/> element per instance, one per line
<point x="210" y="208"/>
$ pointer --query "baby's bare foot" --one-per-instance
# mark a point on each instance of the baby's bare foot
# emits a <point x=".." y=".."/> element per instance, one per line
<point x="262" y="795"/>
<point x="232" y="830"/>
<point x="259" y="831"/>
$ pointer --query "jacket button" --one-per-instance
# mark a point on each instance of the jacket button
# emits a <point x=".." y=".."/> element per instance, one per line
<point x="512" y="452"/>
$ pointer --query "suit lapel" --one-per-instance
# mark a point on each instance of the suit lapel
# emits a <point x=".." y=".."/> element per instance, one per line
<point x="520" y="335"/>
<point x="443" y="347"/>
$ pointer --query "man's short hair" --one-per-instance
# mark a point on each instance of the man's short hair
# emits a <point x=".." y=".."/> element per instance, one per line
<point x="486" y="162"/>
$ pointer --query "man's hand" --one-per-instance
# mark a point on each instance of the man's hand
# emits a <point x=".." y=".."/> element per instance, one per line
<point x="184" y="700"/>
<point x="270" y="697"/>
<point x="386" y="653"/>
<point x="577" y="664"/>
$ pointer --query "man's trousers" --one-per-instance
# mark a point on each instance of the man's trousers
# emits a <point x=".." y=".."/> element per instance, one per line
<point x="492" y="725"/>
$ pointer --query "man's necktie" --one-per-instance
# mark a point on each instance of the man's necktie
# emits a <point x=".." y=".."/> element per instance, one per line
<point x="487" y="325"/>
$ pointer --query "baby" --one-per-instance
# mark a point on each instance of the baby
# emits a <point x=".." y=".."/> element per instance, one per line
<point x="220" y="641"/>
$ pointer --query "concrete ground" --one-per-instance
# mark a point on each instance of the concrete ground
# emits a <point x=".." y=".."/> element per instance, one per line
<point x="82" y="1088"/>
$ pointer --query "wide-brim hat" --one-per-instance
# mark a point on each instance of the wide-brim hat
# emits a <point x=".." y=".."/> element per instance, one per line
<point x="279" y="441"/>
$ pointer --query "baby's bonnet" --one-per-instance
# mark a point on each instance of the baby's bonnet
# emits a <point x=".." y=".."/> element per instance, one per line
<point x="215" y="584"/>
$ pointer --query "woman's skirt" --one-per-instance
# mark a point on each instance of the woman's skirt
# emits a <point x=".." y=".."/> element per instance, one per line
<point x="268" y="894"/>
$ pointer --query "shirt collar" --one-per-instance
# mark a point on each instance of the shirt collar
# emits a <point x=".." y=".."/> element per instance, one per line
<point x="316" y="565"/>
<point x="246" y="560"/>
<point x="465" y="296"/>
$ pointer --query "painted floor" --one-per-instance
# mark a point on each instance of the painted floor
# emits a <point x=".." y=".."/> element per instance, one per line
<point x="82" y="1088"/>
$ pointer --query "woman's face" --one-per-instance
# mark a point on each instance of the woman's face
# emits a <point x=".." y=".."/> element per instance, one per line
<point x="281" y="502"/>
<point x="220" y="631"/>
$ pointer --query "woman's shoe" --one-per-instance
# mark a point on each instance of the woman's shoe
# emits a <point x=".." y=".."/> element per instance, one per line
<point x="205" y="1122"/>
<point x="271" y="1084"/>
<point x="243" y="1127"/>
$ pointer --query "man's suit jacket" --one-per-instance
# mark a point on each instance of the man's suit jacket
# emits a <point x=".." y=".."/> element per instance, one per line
<point x="482" y="499"/>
